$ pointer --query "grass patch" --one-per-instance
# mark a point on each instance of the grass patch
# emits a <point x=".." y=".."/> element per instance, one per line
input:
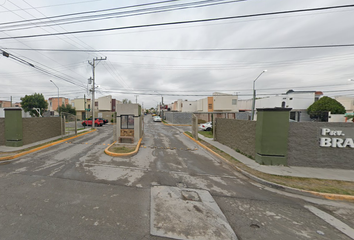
<point x="309" y="184"/>
<point x="208" y="134"/>
<point x="121" y="149"/>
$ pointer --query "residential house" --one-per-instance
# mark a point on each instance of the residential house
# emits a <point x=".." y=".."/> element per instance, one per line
<point x="5" y="104"/>
<point x="54" y="102"/>
<point x="347" y="102"/>
<point x="82" y="107"/>
<point x="298" y="101"/>
<point x="183" y="106"/>
<point x="219" y="102"/>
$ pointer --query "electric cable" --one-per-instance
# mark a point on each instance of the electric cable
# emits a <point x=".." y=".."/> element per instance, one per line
<point x="180" y="22"/>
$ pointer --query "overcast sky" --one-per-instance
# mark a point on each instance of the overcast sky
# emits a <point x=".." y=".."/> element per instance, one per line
<point x="178" y="74"/>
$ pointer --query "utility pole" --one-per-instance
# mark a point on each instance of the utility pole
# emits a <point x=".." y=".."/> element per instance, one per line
<point x="93" y="64"/>
<point x="136" y="98"/>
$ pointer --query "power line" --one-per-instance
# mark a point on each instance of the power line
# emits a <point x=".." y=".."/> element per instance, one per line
<point x="182" y="22"/>
<point x="95" y="17"/>
<point x="38" y="68"/>
<point x="187" y="50"/>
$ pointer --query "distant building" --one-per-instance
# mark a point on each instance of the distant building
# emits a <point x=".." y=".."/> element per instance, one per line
<point x="347" y="102"/>
<point x="54" y="102"/>
<point x="219" y="102"/>
<point x="5" y="104"/>
<point x="299" y="101"/>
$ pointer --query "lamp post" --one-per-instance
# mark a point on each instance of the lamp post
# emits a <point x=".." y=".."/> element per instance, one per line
<point x="61" y="124"/>
<point x="58" y="93"/>
<point x="254" y="94"/>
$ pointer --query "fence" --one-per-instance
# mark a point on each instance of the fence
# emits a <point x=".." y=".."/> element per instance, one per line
<point x="304" y="142"/>
<point x="69" y="123"/>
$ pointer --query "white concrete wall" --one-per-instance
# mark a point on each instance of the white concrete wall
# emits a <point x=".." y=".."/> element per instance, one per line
<point x="79" y="104"/>
<point x="189" y="106"/>
<point x="347" y="102"/>
<point x="336" y="118"/>
<point x="105" y="103"/>
<point x="244" y="104"/>
<point x="24" y="114"/>
<point x="224" y="103"/>
<point x="300" y="100"/>
<point x="292" y="100"/>
<point x="202" y="105"/>
<point x="128" y="109"/>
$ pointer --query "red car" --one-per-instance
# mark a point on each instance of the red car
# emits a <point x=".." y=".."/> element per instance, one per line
<point x="89" y="122"/>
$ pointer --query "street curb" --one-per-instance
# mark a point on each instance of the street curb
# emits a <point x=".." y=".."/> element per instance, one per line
<point x="123" y="154"/>
<point x="329" y="196"/>
<point x="42" y="147"/>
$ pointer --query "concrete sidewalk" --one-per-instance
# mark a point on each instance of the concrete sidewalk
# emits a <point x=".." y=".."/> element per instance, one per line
<point x="305" y="172"/>
<point x="5" y="149"/>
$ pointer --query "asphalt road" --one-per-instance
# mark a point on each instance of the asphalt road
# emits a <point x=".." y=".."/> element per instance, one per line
<point x="75" y="191"/>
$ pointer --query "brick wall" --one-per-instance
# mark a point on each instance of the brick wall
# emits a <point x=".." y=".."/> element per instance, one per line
<point x="38" y="129"/>
<point x="178" y="117"/>
<point x="304" y="147"/>
<point x="237" y="134"/>
<point x="2" y="131"/>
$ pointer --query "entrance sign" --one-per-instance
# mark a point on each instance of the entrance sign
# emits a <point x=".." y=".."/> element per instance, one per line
<point x="335" y="139"/>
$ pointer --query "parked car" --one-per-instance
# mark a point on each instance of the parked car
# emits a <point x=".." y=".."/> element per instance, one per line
<point x="104" y="121"/>
<point x="89" y="122"/>
<point x="156" y="119"/>
<point x="205" y="126"/>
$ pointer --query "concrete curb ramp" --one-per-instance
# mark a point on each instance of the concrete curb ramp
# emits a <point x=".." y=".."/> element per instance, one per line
<point x="329" y="196"/>
<point x="123" y="154"/>
<point x="42" y="147"/>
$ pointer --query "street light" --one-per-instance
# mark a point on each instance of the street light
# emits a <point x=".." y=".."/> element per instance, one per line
<point x="58" y="93"/>
<point x="61" y="123"/>
<point x="254" y="94"/>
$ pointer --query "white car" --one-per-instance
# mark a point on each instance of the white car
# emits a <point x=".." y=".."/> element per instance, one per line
<point x="156" y="119"/>
<point x="205" y="126"/>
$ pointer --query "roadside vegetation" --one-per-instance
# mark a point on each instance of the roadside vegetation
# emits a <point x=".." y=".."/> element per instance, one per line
<point x="121" y="149"/>
<point x="308" y="184"/>
<point x="208" y="134"/>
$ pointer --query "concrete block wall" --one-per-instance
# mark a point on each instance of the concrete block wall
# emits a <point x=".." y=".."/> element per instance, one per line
<point x="38" y="129"/>
<point x="179" y="117"/>
<point x="237" y="134"/>
<point x="304" y="146"/>
<point x="2" y="131"/>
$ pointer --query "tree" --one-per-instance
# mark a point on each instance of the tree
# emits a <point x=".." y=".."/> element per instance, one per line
<point x="126" y="101"/>
<point x="67" y="109"/>
<point x="30" y="103"/>
<point x="319" y="109"/>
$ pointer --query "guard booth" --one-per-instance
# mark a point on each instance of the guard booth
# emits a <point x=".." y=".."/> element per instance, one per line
<point x="129" y="127"/>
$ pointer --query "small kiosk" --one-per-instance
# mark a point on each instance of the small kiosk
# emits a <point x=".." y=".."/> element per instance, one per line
<point x="129" y="127"/>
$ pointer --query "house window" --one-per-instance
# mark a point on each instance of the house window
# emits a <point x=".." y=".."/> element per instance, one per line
<point x="96" y="104"/>
<point x="283" y="104"/>
<point x="127" y="122"/>
<point x="50" y="103"/>
<point x="234" y="101"/>
<point x="291" y="98"/>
